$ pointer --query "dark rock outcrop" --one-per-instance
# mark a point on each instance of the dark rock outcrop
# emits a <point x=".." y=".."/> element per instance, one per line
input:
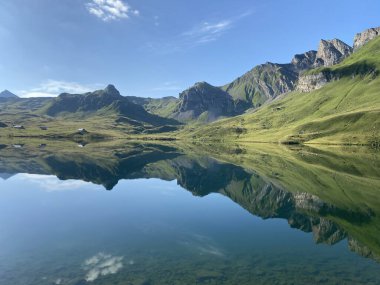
<point x="206" y="100"/>
<point x="304" y="61"/>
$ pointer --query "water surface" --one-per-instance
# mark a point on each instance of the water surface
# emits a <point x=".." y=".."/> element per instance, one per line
<point x="167" y="214"/>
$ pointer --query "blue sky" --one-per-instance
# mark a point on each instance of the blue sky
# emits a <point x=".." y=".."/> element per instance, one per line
<point x="158" y="48"/>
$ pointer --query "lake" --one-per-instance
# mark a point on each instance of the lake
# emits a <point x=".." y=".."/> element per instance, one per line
<point x="145" y="213"/>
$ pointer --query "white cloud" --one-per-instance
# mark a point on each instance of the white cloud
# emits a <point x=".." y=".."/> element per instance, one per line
<point x="208" y="32"/>
<point x="109" y="10"/>
<point x="51" y="183"/>
<point x="200" y="34"/>
<point x="52" y="88"/>
<point x="102" y="264"/>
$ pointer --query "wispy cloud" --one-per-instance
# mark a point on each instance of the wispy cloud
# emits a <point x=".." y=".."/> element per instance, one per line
<point x="203" y="245"/>
<point x="109" y="10"/>
<point x="208" y="32"/>
<point x="52" y="88"/>
<point x="202" y="33"/>
<point x="102" y="264"/>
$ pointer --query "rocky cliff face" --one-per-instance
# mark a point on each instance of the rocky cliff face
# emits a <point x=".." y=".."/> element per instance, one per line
<point x="362" y="250"/>
<point x="365" y="36"/>
<point x="269" y="80"/>
<point x="205" y="100"/>
<point x="308" y="83"/>
<point x="331" y="52"/>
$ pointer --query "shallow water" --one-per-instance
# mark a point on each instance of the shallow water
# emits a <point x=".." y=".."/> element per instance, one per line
<point x="178" y="218"/>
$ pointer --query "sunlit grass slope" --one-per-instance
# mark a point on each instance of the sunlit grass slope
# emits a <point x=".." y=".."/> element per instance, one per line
<point x="345" y="111"/>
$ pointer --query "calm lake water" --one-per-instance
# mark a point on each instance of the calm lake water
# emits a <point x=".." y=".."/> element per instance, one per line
<point x="150" y="214"/>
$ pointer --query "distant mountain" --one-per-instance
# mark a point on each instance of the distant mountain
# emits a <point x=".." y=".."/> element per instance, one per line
<point x="334" y="103"/>
<point x="7" y="94"/>
<point x="204" y="102"/>
<point x="106" y="102"/>
<point x="265" y="82"/>
<point x="6" y="176"/>
<point x="201" y="103"/>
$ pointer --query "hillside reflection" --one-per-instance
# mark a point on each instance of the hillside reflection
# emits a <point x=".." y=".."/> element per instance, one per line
<point x="331" y="193"/>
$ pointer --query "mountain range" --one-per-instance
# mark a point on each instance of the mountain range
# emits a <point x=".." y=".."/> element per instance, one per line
<point x="263" y="83"/>
<point x="331" y="104"/>
<point x="268" y="103"/>
<point x="103" y="102"/>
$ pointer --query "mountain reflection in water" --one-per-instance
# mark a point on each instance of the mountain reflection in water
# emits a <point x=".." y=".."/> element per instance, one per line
<point x="330" y="193"/>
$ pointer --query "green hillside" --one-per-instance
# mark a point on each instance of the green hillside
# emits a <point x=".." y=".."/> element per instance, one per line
<point x="345" y="111"/>
<point x="163" y="107"/>
<point x="262" y="83"/>
<point x="103" y="113"/>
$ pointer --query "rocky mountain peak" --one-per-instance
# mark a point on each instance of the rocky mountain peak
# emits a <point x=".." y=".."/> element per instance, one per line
<point x="304" y="61"/>
<point x="201" y="86"/>
<point x="203" y="97"/>
<point x="111" y="90"/>
<point x="331" y="52"/>
<point x="7" y="94"/>
<point x="341" y="46"/>
<point x="365" y="36"/>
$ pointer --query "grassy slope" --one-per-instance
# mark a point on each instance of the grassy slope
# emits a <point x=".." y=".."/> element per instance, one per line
<point x="162" y="107"/>
<point x="103" y="123"/>
<point x="249" y="88"/>
<point x="344" y="111"/>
